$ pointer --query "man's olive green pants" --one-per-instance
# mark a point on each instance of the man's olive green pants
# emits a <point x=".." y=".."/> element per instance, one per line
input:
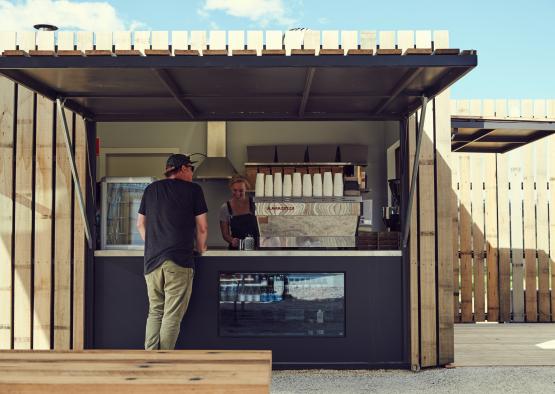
<point x="169" y="290"/>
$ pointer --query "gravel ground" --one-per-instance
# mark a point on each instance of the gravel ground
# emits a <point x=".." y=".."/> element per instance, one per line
<point x="456" y="380"/>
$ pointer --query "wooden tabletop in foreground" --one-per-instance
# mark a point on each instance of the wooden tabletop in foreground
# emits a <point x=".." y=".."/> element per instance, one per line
<point x="135" y="371"/>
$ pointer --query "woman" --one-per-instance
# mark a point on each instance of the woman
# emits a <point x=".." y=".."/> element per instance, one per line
<point x="237" y="219"/>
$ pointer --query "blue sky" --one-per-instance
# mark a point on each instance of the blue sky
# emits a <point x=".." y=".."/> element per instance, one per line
<point x="515" y="39"/>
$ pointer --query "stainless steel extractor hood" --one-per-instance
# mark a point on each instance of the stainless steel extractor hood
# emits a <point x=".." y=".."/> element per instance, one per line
<point x="216" y="165"/>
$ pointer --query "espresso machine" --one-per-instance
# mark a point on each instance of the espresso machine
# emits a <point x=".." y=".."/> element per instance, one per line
<point x="391" y="215"/>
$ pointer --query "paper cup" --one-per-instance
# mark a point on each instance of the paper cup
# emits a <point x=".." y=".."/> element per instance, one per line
<point x="297" y="185"/>
<point x="307" y="185"/>
<point x="338" y="184"/>
<point x="269" y="186"/>
<point x="278" y="185"/>
<point x="317" y="185"/>
<point x="259" y="185"/>
<point x="287" y="185"/>
<point x="327" y="188"/>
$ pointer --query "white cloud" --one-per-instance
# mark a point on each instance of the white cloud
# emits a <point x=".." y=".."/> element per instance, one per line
<point x="67" y="15"/>
<point x="262" y="12"/>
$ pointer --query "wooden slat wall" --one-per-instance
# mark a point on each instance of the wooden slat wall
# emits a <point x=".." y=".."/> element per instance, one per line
<point x="509" y="109"/>
<point x="520" y="231"/>
<point x="477" y="250"/>
<point x="38" y="172"/>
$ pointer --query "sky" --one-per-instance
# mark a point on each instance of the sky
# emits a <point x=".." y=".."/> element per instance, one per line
<point x="515" y="39"/>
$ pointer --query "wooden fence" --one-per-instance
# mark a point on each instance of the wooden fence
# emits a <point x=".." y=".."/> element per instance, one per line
<point x="505" y="241"/>
<point x="42" y="247"/>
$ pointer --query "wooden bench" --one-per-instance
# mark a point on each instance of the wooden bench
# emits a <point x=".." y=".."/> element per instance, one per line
<point x="135" y="371"/>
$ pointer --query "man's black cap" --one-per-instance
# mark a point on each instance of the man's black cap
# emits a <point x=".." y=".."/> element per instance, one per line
<point x="177" y="160"/>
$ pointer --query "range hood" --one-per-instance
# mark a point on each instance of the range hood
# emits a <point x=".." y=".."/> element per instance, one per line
<point x="216" y="165"/>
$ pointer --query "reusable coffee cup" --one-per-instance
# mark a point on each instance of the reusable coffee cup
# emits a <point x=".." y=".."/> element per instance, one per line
<point x="278" y="185"/>
<point x="259" y="185"/>
<point x="338" y="184"/>
<point x="269" y="186"/>
<point x="287" y="185"/>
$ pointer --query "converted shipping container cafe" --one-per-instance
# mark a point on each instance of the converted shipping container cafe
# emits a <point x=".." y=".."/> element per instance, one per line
<point x="395" y="309"/>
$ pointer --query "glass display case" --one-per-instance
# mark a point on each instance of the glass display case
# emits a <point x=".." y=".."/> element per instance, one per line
<point x="121" y="198"/>
<point x="281" y="304"/>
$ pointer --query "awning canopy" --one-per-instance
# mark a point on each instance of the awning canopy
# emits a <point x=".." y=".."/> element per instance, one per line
<point x="181" y="88"/>
<point x="496" y="135"/>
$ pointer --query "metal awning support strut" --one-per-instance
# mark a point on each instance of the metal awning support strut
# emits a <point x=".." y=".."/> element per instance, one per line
<point x="74" y="175"/>
<point x="415" y="166"/>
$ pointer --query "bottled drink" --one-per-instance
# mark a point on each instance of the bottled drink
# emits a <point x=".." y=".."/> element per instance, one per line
<point x="270" y="288"/>
<point x="241" y="291"/>
<point x="256" y="289"/>
<point x="286" y="287"/>
<point x="223" y="293"/>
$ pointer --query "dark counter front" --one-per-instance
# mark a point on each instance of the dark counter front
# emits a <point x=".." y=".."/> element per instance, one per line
<point x="364" y="325"/>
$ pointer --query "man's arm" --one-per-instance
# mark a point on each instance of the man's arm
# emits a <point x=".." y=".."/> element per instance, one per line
<point x="202" y="232"/>
<point x="141" y="225"/>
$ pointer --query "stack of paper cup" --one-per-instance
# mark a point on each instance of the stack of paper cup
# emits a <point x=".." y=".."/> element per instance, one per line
<point x="269" y="186"/>
<point x="297" y="185"/>
<point x="307" y="185"/>
<point x="287" y="185"/>
<point x="338" y="184"/>
<point x="317" y="185"/>
<point x="278" y="184"/>
<point x="259" y="186"/>
<point x="327" y="188"/>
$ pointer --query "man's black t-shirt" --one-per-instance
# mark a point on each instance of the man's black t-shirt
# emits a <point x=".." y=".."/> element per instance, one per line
<point x="170" y="207"/>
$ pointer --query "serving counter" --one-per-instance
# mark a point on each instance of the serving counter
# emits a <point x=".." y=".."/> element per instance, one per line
<point x="312" y="308"/>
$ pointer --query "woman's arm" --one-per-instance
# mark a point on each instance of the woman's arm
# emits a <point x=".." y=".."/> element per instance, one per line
<point x="226" y="235"/>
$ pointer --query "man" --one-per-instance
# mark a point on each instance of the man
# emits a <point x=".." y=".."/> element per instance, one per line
<point x="170" y="212"/>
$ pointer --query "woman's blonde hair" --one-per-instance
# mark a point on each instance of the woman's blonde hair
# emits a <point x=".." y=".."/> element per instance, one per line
<point x="239" y="178"/>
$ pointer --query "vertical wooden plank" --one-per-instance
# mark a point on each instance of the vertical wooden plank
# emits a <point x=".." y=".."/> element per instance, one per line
<point x="478" y="236"/>
<point x="368" y="40"/>
<point x="43" y="224"/>
<point x="103" y="40"/>
<point x="274" y="39"/>
<point x="387" y="39"/>
<point x="160" y="40"/>
<point x="427" y="235"/>
<point x="504" y="236"/>
<point x="330" y="39"/>
<point x="527" y="109"/>
<point x="492" y="251"/>
<point x="255" y="40"/>
<point x="551" y="141"/>
<point x="23" y="219"/>
<point x="476" y="107"/>
<point x="8" y="41"/>
<point x="550" y="109"/>
<point x="85" y="40"/>
<point x="463" y="107"/>
<point x="405" y="40"/>
<point x="542" y="227"/>
<point x="66" y="41"/>
<point x="179" y="41"/>
<point x="424" y="39"/>
<point x="141" y="41"/>
<point x="539" y="109"/>
<point x="26" y="40"/>
<point x="414" y="282"/>
<point x="514" y="108"/>
<point x="236" y="40"/>
<point x="446" y="341"/>
<point x="45" y="40"/>
<point x="453" y="107"/>
<point x="500" y="108"/>
<point x="7" y="88"/>
<point x="79" y="240"/>
<point x="293" y="40"/>
<point x="455" y="159"/>
<point x="198" y="40"/>
<point x="517" y="241"/>
<point x="441" y="39"/>
<point x="218" y="39"/>
<point x="62" y="248"/>
<point x="349" y="40"/>
<point x="122" y="40"/>
<point x="466" y="241"/>
<point x="312" y="41"/>
<point x="488" y="110"/>
<point x="530" y="236"/>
